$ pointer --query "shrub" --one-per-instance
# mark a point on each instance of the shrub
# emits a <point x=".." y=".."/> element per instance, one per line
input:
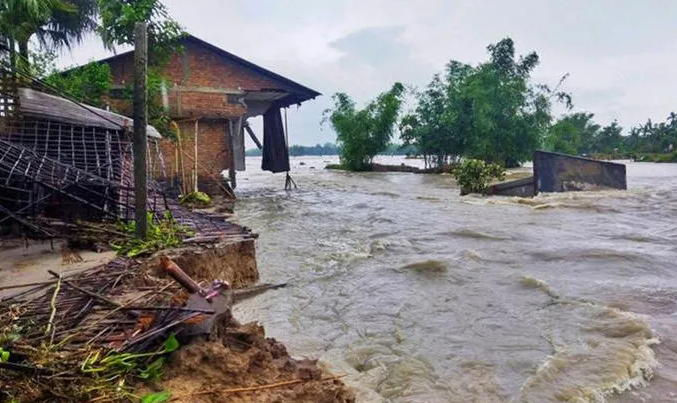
<point x="475" y="175"/>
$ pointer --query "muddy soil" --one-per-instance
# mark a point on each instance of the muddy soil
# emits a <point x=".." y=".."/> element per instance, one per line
<point x="232" y="262"/>
<point x="242" y="357"/>
<point x="237" y="356"/>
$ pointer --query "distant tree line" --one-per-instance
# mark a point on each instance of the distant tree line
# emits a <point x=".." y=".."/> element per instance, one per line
<point x="578" y="133"/>
<point x="333" y="149"/>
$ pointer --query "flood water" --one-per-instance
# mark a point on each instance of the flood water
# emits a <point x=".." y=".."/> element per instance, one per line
<point x="421" y="295"/>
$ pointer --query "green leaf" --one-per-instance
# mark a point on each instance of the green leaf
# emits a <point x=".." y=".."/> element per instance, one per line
<point x="4" y="355"/>
<point x="171" y="344"/>
<point x="154" y="370"/>
<point x="157" y="397"/>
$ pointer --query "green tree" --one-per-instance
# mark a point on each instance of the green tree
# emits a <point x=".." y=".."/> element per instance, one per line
<point x="575" y="134"/>
<point x="440" y="122"/>
<point x="118" y="18"/>
<point x="563" y="137"/>
<point x="363" y="133"/>
<point x="652" y="137"/>
<point x="508" y="115"/>
<point x="609" y="140"/>
<point x="492" y="112"/>
<point x="88" y="84"/>
<point x="53" y="23"/>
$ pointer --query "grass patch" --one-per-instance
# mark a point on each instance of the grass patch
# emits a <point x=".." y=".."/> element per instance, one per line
<point x="670" y="157"/>
<point x="162" y="233"/>
<point x="337" y="167"/>
<point x="196" y="200"/>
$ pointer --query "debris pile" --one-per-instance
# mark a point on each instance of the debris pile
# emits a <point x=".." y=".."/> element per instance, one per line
<point x="105" y="333"/>
<point x="83" y="336"/>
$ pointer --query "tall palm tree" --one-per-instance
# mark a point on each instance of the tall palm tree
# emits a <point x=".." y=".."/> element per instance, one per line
<point x="54" y="23"/>
<point x="70" y="21"/>
<point x="17" y="19"/>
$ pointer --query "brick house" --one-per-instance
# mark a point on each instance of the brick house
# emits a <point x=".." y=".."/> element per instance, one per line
<point x="212" y="92"/>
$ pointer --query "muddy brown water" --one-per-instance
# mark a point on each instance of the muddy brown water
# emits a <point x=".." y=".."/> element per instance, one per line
<point x="421" y="295"/>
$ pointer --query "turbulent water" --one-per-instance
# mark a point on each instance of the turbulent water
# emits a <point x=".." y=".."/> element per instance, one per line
<point x="421" y="295"/>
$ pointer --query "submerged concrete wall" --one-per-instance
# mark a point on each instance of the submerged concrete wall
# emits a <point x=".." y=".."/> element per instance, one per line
<point x="521" y="188"/>
<point x="555" y="172"/>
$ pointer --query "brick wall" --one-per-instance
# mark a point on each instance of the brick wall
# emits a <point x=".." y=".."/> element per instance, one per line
<point x="199" y="84"/>
<point x="212" y="149"/>
<point x="201" y="67"/>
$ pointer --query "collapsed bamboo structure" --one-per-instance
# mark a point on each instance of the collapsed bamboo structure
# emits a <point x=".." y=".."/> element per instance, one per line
<point x="68" y="161"/>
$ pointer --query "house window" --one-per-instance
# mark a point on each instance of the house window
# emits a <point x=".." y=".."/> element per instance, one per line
<point x="234" y="98"/>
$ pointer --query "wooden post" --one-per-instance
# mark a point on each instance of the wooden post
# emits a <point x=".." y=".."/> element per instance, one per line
<point x="140" y="122"/>
<point x="195" y="157"/>
<point x="182" y="174"/>
<point x="231" y="166"/>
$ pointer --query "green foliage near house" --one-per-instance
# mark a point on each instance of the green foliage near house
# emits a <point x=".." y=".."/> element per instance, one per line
<point x="363" y="133"/>
<point x="473" y="176"/>
<point x="118" y="18"/>
<point x="91" y="83"/>
<point x="88" y="84"/>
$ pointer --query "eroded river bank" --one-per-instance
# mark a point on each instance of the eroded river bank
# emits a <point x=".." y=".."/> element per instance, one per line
<point x="423" y="296"/>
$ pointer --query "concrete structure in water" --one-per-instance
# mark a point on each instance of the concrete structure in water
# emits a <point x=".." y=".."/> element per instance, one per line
<point x="556" y="172"/>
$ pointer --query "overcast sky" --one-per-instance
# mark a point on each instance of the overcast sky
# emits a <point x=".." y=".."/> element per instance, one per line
<point x="622" y="56"/>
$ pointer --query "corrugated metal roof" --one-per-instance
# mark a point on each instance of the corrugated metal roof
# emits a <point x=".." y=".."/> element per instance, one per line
<point x="42" y="105"/>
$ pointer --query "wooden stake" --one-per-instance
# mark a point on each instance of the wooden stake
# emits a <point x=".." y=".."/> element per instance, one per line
<point x="231" y="166"/>
<point x="140" y="122"/>
<point x="184" y="188"/>
<point x="52" y="304"/>
<point x="195" y="158"/>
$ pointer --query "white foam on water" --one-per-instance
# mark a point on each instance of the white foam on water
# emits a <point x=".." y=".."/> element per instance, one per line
<point x="615" y="356"/>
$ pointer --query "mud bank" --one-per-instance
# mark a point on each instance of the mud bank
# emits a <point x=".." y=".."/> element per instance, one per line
<point x="240" y="357"/>
<point x="242" y="365"/>
<point x="233" y="262"/>
<point x="204" y="369"/>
